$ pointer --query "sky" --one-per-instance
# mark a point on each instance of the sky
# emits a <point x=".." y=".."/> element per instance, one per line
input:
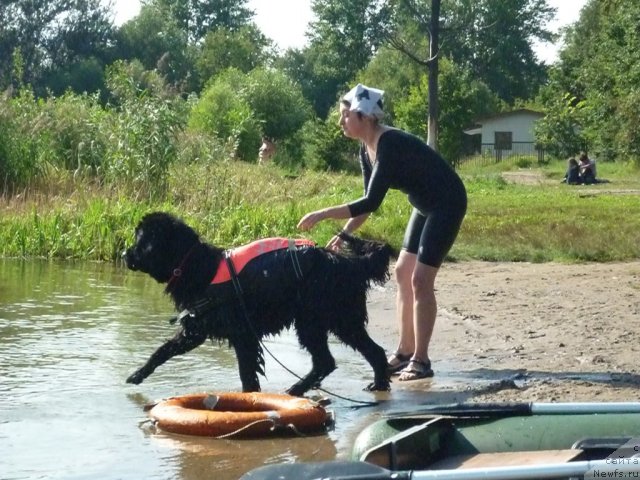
<point x="285" y="21"/>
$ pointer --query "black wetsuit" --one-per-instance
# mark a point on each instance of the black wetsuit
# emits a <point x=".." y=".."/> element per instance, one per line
<point x="406" y="163"/>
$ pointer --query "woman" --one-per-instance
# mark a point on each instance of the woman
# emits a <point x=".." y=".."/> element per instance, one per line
<point x="587" y="169"/>
<point x="392" y="158"/>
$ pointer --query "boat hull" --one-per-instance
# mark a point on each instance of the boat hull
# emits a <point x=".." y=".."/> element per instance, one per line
<point x="418" y="442"/>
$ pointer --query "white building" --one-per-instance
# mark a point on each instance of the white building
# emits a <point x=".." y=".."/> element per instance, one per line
<point x="506" y="133"/>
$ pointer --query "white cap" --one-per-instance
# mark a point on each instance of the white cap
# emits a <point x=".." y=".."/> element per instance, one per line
<point x="365" y="100"/>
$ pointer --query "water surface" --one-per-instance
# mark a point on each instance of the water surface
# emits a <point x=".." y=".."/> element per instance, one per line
<point x="71" y="333"/>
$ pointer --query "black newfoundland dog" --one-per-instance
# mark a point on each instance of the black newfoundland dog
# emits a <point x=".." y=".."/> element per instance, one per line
<point x="260" y="289"/>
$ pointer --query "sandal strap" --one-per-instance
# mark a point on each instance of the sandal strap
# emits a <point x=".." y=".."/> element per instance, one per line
<point x="402" y="356"/>
<point x="426" y="365"/>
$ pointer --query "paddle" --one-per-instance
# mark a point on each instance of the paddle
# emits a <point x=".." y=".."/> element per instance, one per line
<point x="517" y="409"/>
<point x="342" y="470"/>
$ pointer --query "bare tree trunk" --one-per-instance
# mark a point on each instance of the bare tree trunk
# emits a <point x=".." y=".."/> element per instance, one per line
<point x="434" y="108"/>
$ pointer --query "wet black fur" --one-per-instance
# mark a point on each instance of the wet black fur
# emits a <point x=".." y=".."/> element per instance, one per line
<point x="331" y="298"/>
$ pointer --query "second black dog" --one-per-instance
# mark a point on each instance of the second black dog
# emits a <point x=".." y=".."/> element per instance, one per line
<point x="224" y="297"/>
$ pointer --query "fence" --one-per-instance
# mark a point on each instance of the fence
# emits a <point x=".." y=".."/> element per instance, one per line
<point x="521" y="154"/>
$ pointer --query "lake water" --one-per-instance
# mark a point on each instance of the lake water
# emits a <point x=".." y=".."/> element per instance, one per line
<point x="71" y="333"/>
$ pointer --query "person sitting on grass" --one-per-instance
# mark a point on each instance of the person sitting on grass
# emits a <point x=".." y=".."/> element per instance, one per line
<point x="587" y="169"/>
<point x="572" y="176"/>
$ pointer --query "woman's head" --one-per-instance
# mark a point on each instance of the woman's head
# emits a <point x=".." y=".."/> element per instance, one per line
<point x="360" y="110"/>
<point x="365" y="100"/>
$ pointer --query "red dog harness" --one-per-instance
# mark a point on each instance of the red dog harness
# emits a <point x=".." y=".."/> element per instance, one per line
<point x="240" y="256"/>
<point x="236" y="259"/>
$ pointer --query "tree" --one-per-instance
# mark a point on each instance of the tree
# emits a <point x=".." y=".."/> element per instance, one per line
<point x="277" y="102"/>
<point x="51" y="36"/>
<point x="599" y="71"/>
<point x="430" y="23"/>
<point x="244" y="49"/>
<point x="494" y="40"/>
<point x="199" y="17"/>
<point x="156" y="40"/>
<point x="466" y="99"/>
<point x="243" y="107"/>
<point x="342" y="40"/>
<point x="510" y="20"/>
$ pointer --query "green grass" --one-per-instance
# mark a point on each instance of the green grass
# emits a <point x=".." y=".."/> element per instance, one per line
<point x="231" y="203"/>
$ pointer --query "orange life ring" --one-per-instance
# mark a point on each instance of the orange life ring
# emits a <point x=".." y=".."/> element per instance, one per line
<point x="244" y="414"/>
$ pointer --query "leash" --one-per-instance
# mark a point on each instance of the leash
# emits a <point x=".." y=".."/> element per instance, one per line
<point x="245" y="311"/>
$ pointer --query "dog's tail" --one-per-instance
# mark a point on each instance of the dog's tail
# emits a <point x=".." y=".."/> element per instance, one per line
<point x="378" y="255"/>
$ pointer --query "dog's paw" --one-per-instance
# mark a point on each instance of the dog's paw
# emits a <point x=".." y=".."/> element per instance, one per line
<point x="296" y="391"/>
<point x="136" y="378"/>
<point x="378" y="387"/>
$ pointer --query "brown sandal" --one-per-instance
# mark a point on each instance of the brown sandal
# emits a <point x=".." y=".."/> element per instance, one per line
<point x="416" y="370"/>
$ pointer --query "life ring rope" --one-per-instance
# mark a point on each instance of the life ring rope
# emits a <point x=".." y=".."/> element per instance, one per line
<point x="275" y="425"/>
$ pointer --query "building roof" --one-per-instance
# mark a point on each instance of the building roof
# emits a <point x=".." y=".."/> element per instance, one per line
<point x="512" y="113"/>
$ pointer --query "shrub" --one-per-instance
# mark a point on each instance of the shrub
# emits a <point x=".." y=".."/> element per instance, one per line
<point x="224" y="113"/>
<point x="326" y="147"/>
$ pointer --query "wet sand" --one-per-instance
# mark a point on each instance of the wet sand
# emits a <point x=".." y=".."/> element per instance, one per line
<point x="528" y="332"/>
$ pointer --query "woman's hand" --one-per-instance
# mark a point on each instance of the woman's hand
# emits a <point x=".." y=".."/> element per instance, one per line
<point x="310" y="219"/>
<point x="335" y="243"/>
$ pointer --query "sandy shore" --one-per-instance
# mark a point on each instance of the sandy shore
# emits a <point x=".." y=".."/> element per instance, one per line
<point x="529" y="332"/>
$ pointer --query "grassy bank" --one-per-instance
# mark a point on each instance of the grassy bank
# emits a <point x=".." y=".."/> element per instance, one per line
<point x="232" y="203"/>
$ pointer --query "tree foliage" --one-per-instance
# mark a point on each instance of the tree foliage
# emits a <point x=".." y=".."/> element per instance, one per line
<point x="342" y="40"/>
<point x="244" y="107"/>
<point x="465" y="99"/>
<point x="244" y="49"/>
<point x="599" y="71"/>
<point x="169" y="52"/>
<point x="493" y="39"/>
<point x="198" y="17"/>
<point x="52" y="38"/>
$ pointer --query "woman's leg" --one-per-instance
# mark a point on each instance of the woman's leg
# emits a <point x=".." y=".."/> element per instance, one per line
<point x="425" y="308"/>
<point x="438" y="234"/>
<point x="405" y="302"/>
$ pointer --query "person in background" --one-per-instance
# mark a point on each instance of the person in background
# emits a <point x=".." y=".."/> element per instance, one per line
<point x="266" y="151"/>
<point x="392" y="158"/>
<point x="587" y="169"/>
<point x="572" y="176"/>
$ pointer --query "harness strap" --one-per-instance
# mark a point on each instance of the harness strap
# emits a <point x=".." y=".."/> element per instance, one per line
<point x="234" y="276"/>
<point x="293" y="253"/>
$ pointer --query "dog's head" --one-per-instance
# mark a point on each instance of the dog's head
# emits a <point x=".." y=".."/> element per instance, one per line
<point x="162" y="241"/>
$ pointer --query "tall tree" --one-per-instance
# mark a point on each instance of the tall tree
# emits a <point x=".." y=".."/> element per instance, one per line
<point x="244" y="49"/>
<point x="49" y="36"/>
<point x="199" y="17"/>
<point x="169" y="52"/>
<point x="510" y="21"/>
<point x="495" y="38"/>
<point x="342" y="40"/>
<point x="599" y="73"/>
<point x="427" y="20"/>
